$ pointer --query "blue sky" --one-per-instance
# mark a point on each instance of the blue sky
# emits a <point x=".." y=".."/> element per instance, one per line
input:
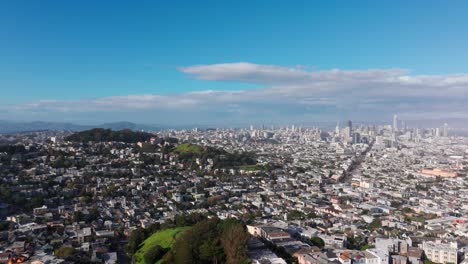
<point x="74" y="52"/>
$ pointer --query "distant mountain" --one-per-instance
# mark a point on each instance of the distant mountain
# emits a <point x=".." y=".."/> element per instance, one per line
<point x="128" y="125"/>
<point x="14" y="127"/>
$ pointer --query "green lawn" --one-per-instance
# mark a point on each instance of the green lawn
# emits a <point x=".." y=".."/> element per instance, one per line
<point x="188" y="148"/>
<point x="164" y="238"/>
<point x="250" y="167"/>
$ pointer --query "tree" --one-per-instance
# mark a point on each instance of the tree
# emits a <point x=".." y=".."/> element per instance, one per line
<point x="183" y="250"/>
<point x="64" y="252"/>
<point x="154" y="254"/>
<point x="406" y="210"/>
<point x="295" y="215"/>
<point x="78" y="216"/>
<point x="5" y="191"/>
<point x="153" y="228"/>
<point x="356" y="242"/>
<point x="365" y="247"/>
<point x="93" y="215"/>
<point x="168" y="258"/>
<point x="4" y="226"/>
<point x="134" y="241"/>
<point x="102" y="135"/>
<point x="375" y="224"/>
<point x="234" y="241"/>
<point x="210" y="241"/>
<point x="317" y="241"/>
<point x="211" y="250"/>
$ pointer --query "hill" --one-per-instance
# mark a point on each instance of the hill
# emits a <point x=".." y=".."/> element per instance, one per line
<point x="7" y="127"/>
<point x="104" y="135"/>
<point x="188" y="148"/>
<point x="127" y="125"/>
<point x="164" y="238"/>
<point x="189" y="153"/>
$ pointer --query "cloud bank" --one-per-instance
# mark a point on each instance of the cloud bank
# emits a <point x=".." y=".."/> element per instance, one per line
<point x="293" y="94"/>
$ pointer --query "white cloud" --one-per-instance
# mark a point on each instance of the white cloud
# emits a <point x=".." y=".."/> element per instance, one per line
<point x="291" y="91"/>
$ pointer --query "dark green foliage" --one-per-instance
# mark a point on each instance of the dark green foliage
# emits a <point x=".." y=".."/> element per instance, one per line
<point x="93" y="215"/>
<point x="13" y="149"/>
<point x="188" y="153"/>
<point x="64" y="252"/>
<point x="183" y="251"/>
<point x="375" y="224"/>
<point x="149" y="148"/>
<point x="211" y="241"/>
<point x="296" y="215"/>
<point x="4" y="226"/>
<point x="357" y="242"/>
<point x="135" y="240"/>
<point x="104" y="135"/>
<point x="19" y="201"/>
<point x="234" y="240"/>
<point x="171" y="140"/>
<point x="78" y="216"/>
<point x="5" y="191"/>
<point x="317" y="241"/>
<point x="154" y="254"/>
<point x="152" y="229"/>
<point x="365" y="247"/>
<point x="407" y="210"/>
<point x="211" y="250"/>
<point x="188" y="219"/>
<point x="61" y="162"/>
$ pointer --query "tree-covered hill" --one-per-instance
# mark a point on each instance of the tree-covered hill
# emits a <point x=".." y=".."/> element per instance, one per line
<point x="194" y="239"/>
<point x="104" y="135"/>
<point x="188" y="153"/>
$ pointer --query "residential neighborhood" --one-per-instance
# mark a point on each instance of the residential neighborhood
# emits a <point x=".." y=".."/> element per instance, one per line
<point x="353" y="195"/>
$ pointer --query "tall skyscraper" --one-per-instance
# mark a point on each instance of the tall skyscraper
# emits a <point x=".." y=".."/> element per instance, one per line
<point x="350" y="126"/>
<point x="395" y="123"/>
<point x="445" y="132"/>
<point x="356" y="138"/>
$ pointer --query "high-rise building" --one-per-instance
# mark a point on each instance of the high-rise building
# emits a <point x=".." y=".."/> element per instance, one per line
<point x="346" y="134"/>
<point x="356" y="138"/>
<point x="445" y="131"/>
<point x="350" y="126"/>
<point x="395" y="123"/>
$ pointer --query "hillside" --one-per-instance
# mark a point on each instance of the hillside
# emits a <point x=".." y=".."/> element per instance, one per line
<point x="188" y="153"/>
<point x="188" y="148"/>
<point x="104" y="135"/>
<point x="164" y="239"/>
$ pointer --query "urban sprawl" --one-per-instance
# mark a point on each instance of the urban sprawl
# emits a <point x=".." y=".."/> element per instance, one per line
<point x="356" y="194"/>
